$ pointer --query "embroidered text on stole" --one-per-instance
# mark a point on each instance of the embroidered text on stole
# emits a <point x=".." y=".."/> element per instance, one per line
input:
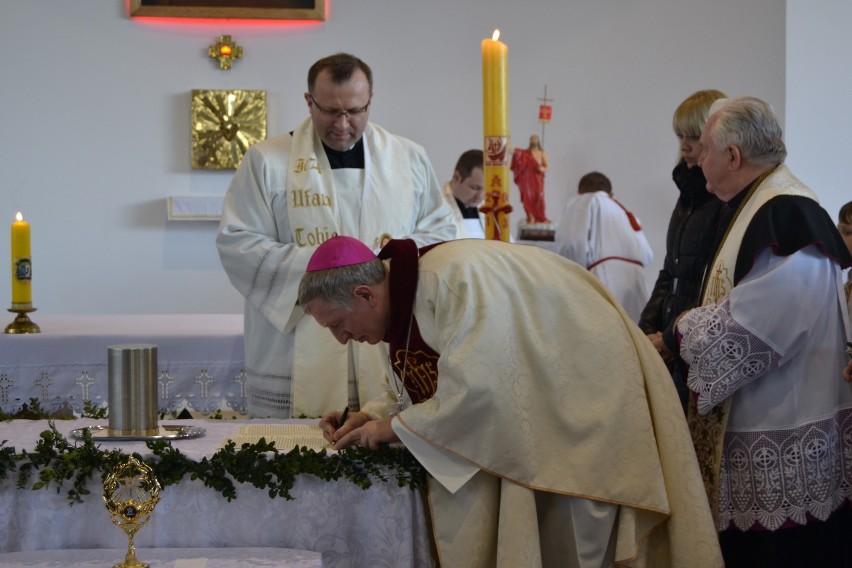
<point x="308" y="198"/>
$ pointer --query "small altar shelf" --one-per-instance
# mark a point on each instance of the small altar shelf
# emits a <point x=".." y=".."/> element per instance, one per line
<point x="194" y="208"/>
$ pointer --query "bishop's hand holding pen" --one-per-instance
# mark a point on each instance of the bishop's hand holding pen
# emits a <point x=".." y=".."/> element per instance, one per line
<point x="336" y="424"/>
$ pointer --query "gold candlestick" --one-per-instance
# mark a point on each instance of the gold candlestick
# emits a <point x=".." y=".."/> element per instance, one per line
<point x="130" y="493"/>
<point x="22" y="323"/>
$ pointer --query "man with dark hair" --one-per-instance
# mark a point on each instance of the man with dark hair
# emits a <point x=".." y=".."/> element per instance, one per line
<point x="770" y="416"/>
<point x="464" y="193"/>
<point x="547" y="421"/>
<point x="597" y="232"/>
<point x="594" y="181"/>
<point x="336" y="173"/>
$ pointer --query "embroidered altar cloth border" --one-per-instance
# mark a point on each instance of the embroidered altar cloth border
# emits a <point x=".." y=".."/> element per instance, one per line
<point x="200" y="361"/>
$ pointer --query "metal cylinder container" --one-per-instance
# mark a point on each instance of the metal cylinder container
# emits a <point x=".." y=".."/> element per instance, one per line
<point x="132" y="394"/>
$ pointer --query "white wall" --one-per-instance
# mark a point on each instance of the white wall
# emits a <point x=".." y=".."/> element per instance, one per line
<point x="95" y="115"/>
<point x="819" y="94"/>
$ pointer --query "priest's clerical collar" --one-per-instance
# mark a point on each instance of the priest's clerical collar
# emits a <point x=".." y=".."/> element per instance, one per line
<point x="351" y="158"/>
<point x="467" y="212"/>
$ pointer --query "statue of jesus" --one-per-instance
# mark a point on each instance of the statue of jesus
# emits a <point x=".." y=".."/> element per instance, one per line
<point x="529" y="166"/>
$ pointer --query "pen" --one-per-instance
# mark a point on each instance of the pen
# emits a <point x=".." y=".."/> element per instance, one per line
<point x="343" y="417"/>
<point x="849" y="348"/>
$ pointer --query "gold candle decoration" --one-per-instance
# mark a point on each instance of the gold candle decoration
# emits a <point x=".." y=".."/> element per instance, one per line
<point x="495" y="112"/>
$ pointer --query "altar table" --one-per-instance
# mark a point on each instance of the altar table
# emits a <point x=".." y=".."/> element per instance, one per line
<point x="385" y="525"/>
<point x="200" y="361"/>
<point x="165" y="558"/>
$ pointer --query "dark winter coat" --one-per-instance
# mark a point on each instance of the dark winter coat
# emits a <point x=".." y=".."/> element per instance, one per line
<point x="689" y="243"/>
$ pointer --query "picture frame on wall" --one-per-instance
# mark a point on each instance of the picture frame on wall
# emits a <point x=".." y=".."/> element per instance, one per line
<point x="232" y="9"/>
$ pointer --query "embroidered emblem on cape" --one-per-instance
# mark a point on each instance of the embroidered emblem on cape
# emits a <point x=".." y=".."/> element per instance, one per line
<point x="421" y="377"/>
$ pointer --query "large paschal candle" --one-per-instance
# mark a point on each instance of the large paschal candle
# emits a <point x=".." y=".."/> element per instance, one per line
<point x="495" y="109"/>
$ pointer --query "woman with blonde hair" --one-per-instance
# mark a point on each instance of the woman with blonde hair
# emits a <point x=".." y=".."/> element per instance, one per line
<point x="690" y="239"/>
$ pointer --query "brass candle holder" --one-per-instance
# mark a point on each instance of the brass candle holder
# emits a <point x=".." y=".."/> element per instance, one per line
<point x="22" y="323"/>
<point x="130" y="493"/>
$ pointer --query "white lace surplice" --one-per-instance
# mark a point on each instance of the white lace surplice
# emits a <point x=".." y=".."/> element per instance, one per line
<point x="775" y="346"/>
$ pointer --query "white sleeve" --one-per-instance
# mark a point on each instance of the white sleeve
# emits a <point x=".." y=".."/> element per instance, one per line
<point x="573" y="238"/>
<point x="449" y="470"/>
<point x="255" y="244"/>
<point x="757" y="328"/>
<point x="433" y="219"/>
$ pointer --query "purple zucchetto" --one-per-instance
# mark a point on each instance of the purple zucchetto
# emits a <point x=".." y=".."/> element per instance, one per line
<point x="338" y="251"/>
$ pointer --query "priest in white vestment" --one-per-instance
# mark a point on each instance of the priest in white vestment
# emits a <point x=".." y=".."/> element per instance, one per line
<point x="548" y="423"/>
<point x="597" y="232"/>
<point x="336" y="173"/>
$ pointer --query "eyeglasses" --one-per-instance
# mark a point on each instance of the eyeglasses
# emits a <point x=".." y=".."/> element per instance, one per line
<point x="335" y="114"/>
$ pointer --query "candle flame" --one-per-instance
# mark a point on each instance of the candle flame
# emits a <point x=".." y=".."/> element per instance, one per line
<point x="18" y="216"/>
<point x="496" y="35"/>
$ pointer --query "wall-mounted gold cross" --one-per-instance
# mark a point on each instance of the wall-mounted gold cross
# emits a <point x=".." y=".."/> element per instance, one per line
<point x="226" y="51"/>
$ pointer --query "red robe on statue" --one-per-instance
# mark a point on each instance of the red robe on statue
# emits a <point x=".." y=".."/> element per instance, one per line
<point x="530" y="180"/>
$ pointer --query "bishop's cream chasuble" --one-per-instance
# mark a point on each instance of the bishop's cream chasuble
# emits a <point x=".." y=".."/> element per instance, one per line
<point x="526" y="395"/>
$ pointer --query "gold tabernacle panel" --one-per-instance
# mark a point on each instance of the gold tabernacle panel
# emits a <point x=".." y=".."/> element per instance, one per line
<point x="224" y="125"/>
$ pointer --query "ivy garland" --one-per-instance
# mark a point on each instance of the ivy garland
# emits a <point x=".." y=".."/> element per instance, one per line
<point x="56" y="461"/>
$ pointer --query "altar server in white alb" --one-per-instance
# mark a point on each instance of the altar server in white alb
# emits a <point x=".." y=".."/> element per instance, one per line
<point x="771" y="416"/>
<point x="597" y="232"/>
<point x="336" y="173"/>
<point x="546" y="419"/>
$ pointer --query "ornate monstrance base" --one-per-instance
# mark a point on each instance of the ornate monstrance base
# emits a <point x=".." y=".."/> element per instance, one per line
<point x="130" y="493"/>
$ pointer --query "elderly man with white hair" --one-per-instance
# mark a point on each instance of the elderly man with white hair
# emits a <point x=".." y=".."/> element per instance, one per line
<point x="771" y="417"/>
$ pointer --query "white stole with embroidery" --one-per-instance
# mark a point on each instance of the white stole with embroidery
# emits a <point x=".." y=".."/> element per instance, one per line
<point x="721" y="272"/>
<point x="362" y="204"/>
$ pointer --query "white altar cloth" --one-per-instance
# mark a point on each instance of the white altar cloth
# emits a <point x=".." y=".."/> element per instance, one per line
<point x="200" y="361"/>
<point x="385" y="525"/>
<point x="165" y="558"/>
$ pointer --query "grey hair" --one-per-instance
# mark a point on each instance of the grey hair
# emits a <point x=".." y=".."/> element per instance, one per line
<point x="749" y="124"/>
<point x="335" y="286"/>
